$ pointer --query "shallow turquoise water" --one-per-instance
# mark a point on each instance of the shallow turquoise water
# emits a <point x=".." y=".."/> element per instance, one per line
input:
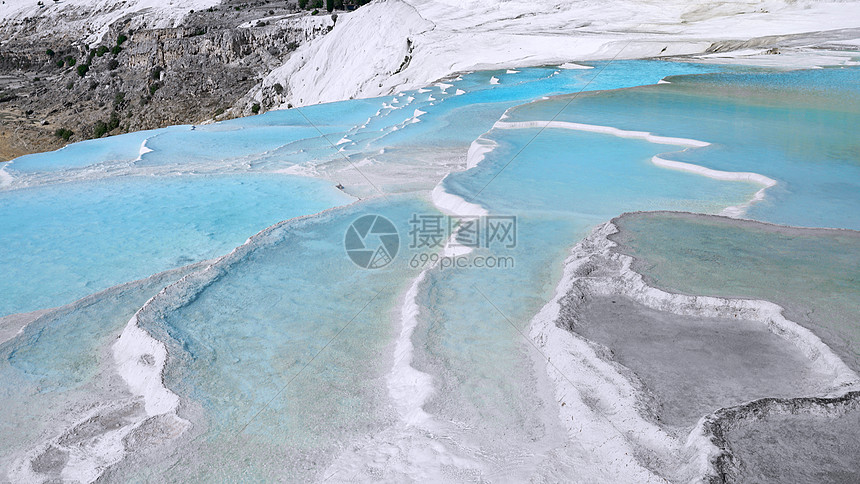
<point x="62" y="242"/>
<point x="124" y="147"/>
<point x="177" y="219"/>
<point x="565" y="182"/>
<point x="62" y="362"/>
<point x="793" y="127"/>
<point x="814" y="274"/>
<point x="557" y="189"/>
<point x="242" y="347"/>
<point x="239" y="333"/>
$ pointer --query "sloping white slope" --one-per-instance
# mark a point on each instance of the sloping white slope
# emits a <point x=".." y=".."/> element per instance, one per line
<point x="364" y="49"/>
<point x="90" y="19"/>
<point x="364" y="53"/>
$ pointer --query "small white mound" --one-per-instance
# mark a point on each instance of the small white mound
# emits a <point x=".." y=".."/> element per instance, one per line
<point x="143" y="150"/>
<point x="572" y="65"/>
<point x="300" y="170"/>
<point x="454" y="205"/>
<point x="5" y="178"/>
<point x="478" y="151"/>
<point x="140" y="359"/>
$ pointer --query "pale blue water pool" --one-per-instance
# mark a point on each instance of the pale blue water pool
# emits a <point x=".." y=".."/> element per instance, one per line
<point x="797" y="128"/>
<point x="62" y="242"/>
<point x="239" y="346"/>
<point x="292" y="303"/>
<point x="178" y="218"/>
<point x="123" y="148"/>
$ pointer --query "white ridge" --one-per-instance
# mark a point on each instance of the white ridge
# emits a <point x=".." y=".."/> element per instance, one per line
<point x="408" y="387"/>
<point x="593" y="128"/>
<point x="742" y="176"/>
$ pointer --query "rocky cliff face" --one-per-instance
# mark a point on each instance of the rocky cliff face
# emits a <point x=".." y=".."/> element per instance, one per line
<point x="52" y="85"/>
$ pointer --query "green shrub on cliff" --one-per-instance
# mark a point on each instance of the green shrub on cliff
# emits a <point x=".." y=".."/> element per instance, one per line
<point x="113" y="123"/>
<point x="100" y="129"/>
<point x="63" y="133"/>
